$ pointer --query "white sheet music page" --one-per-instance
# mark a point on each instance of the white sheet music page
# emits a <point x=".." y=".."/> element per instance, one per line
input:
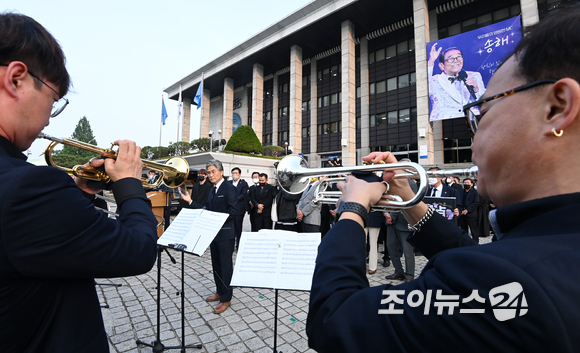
<point x="196" y="228"/>
<point x="276" y="259"/>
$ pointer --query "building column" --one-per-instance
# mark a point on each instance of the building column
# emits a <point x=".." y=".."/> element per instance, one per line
<point x="348" y="141"/>
<point x="530" y="13"/>
<point x="185" y="125"/>
<point x="258" y="99"/>
<point x="364" y="99"/>
<point x="295" y="108"/>
<point x="313" y="156"/>
<point x="204" y="116"/>
<point x="421" y="24"/>
<point x="228" y="109"/>
<point x="275" y="120"/>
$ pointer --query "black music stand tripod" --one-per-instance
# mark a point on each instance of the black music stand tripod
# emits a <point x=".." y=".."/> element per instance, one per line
<point x="156" y="345"/>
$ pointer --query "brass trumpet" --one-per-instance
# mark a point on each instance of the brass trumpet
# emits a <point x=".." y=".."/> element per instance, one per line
<point x="294" y="177"/>
<point x="174" y="171"/>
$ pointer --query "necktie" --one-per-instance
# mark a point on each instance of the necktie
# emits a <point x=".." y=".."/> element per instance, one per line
<point x="452" y="79"/>
<point x="434" y="192"/>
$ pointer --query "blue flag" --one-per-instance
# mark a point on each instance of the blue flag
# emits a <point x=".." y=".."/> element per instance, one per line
<point x="163" y="111"/>
<point x="197" y="98"/>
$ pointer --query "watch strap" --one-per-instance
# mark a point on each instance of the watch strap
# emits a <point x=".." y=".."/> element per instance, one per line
<point x="353" y="207"/>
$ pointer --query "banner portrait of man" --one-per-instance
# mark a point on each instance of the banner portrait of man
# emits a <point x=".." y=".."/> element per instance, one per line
<point x="459" y="67"/>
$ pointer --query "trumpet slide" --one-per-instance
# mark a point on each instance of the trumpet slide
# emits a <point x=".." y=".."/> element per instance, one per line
<point x="174" y="171"/>
<point x="294" y="177"/>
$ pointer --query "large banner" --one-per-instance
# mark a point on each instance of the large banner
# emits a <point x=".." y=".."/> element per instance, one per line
<point x="460" y="66"/>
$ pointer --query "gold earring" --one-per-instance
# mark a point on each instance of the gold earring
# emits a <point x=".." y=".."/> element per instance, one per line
<point x="557" y="134"/>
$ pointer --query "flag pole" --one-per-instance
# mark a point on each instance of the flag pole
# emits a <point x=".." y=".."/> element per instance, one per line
<point x="161" y="122"/>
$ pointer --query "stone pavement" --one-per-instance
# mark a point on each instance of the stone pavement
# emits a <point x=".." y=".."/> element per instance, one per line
<point x="247" y="326"/>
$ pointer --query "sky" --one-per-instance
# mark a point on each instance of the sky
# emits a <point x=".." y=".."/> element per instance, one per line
<point x="122" y="54"/>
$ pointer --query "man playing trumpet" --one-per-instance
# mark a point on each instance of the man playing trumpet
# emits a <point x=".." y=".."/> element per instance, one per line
<point x="53" y="242"/>
<point x="517" y="294"/>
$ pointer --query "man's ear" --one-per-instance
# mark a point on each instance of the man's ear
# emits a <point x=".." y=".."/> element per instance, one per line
<point x="15" y="73"/>
<point x="564" y="100"/>
<point x="441" y="66"/>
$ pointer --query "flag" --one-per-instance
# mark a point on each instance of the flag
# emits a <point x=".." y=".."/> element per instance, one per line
<point x="197" y="98"/>
<point x="179" y="104"/>
<point x="163" y="111"/>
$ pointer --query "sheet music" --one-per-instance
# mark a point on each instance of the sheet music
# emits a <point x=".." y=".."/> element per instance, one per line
<point x="196" y="228"/>
<point x="276" y="259"/>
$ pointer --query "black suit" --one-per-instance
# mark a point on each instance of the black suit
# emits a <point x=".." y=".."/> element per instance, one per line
<point x="470" y="201"/>
<point x="343" y="311"/>
<point x="263" y="195"/>
<point x="53" y="243"/>
<point x="241" y="206"/>
<point x="222" y="246"/>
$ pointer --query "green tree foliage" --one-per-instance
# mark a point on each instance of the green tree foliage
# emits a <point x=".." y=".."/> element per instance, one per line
<point x="201" y="144"/>
<point x="179" y="148"/>
<point x="70" y="156"/>
<point x="244" y="139"/>
<point x="151" y="153"/>
<point x="273" y="151"/>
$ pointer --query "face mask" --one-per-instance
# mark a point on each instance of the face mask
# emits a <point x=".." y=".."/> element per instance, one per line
<point x="201" y="177"/>
<point x="256" y="181"/>
<point x="262" y="184"/>
<point x="432" y="181"/>
<point x="235" y="177"/>
<point x="449" y="181"/>
<point x="466" y="187"/>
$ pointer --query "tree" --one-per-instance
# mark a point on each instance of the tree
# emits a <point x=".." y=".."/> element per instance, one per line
<point x="150" y="153"/>
<point x="178" y="148"/>
<point x="201" y="144"/>
<point x="70" y="156"/>
<point x="273" y="151"/>
<point x="244" y="139"/>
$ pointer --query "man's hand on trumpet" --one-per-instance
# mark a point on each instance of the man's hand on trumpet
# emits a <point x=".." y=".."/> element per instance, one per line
<point x="399" y="186"/>
<point x="128" y="164"/>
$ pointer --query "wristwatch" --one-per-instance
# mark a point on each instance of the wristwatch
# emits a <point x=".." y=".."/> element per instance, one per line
<point x="353" y="207"/>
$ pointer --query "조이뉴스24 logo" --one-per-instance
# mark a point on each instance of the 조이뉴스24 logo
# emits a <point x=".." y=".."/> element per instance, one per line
<point x="507" y="301"/>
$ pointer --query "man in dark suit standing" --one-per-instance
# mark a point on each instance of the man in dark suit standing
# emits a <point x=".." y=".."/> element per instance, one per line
<point x="262" y="198"/>
<point x="222" y="198"/>
<point x="439" y="189"/>
<point x="53" y="242"/>
<point x="255" y="184"/>
<point x="468" y="217"/>
<point x="242" y="196"/>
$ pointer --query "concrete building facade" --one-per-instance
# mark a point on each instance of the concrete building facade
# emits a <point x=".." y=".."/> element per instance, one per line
<point x="346" y="78"/>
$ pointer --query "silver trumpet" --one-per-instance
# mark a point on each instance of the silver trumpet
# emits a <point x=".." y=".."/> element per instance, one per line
<point x="294" y="177"/>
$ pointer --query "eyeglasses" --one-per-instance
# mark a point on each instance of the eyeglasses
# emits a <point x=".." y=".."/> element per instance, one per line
<point x="454" y="59"/>
<point x="473" y="113"/>
<point x="59" y="105"/>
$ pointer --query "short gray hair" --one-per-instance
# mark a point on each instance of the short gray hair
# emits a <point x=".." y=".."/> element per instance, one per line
<point x="216" y="164"/>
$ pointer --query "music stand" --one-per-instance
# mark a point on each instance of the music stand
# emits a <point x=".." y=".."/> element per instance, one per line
<point x="157" y="345"/>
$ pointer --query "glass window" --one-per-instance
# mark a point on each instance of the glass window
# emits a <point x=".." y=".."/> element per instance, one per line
<point x="334" y="98"/>
<point x="404" y="81"/>
<point x="411" y="44"/>
<point x="412" y="78"/>
<point x="414" y="115"/>
<point x="319" y="75"/>
<point x="325" y="101"/>
<point x="305" y="106"/>
<point x="325" y="129"/>
<point x="454" y="29"/>
<point x="268" y="115"/>
<point x="283" y="111"/>
<point x="392" y="117"/>
<point x="358" y="92"/>
<point x="380" y="55"/>
<point x="381" y="87"/>
<point x="325" y="74"/>
<point x="402" y="47"/>
<point x="484" y="19"/>
<point x="373" y="120"/>
<point x="319" y="128"/>
<point x="391" y="84"/>
<point x="381" y="119"/>
<point x="358" y="122"/>
<point x="319" y="102"/>
<point x="339" y="97"/>
<point x="334" y="71"/>
<point x="372" y="88"/>
<point x="501" y="14"/>
<point x="333" y="128"/>
<point x="391" y="51"/>
<point x="306" y="131"/>
<point x="404" y="116"/>
<point x="371" y="57"/>
<point x="305" y="80"/>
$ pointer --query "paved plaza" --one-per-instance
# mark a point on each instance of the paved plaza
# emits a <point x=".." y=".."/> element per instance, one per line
<point x="246" y="326"/>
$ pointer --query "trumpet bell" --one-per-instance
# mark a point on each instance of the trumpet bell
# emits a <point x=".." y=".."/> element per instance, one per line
<point x="174" y="179"/>
<point x="290" y="176"/>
